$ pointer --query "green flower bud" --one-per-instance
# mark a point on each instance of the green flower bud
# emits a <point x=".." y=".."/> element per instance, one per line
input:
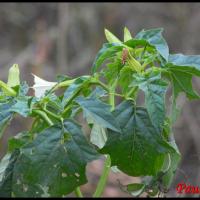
<point x="13" y="76"/>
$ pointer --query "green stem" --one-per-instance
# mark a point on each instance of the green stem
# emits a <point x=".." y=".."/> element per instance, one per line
<point x="8" y="90"/>
<point x="32" y="128"/>
<point x="52" y="114"/>
<point x="101" y="84"/>
<point x="64" y="84"/>
<point x="78" y="192"/>
<point x="119" y="95"/>
<point x="112" y="100"/>
<point x="79" y="90"/>
<point x="44" y="116"/>
<point x="104" y="177"/>
<point x="132" y="91"/>
<point x="142" y="54"/>
<point x="107" y="164"/>
<point x="112" y="95"/>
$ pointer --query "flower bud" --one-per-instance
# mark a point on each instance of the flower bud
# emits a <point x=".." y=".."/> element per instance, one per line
<point x="13" y="76"/>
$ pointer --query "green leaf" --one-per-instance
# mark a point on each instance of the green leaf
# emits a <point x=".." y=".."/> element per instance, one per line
<point x="54" y="162"/>
<point x="173" y="163"/>
<point x="111" y="38"/>
<point x="127" y="35"/>
<point x="138" y="150"/>
<point x="5" y="115"/>
<point x="18" y="141"/>
<point x="182" y="82"/>
<point x="23" y="89"/>
<point x="154" y="38"/>
<point x="154" y="89"/>
<point x="184" y="63"/>
<point x="98" y="92"/>
<point x="112" y="70"/>
<point x="74" y="89"/>
<point x="6" y="177"/>
<point x="4" y="164"/>
<point x="135" y="189"/>
<point x="136" y="42"/>
<point x="125" y="78"/>
<point x="181" y="69"/>
<point x="106" y="52"/>
<point x="99" y="112"/>
<point x="22" y="106"/>
<point x="98" y="135"/>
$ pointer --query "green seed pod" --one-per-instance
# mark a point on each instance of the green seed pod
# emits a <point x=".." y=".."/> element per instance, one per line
<point x="134" y="63"/>
<point x="13" y="76"/>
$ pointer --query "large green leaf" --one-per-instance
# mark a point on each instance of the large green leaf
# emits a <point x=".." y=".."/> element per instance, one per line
<point x="6" y="174"/>
<point x="98" y="92"/>
<point x="182" y="82"/>
<point x="172" y="164"/>
<point x="106" y="52"/>
<point x="99" y="112"/>
<point x="154" y="38"/>
<point x="189" y="64"/>
<point x="4" y="164"/>
<point x="154" y="89"/>
<point x="54" y="163"/>
<point x="138" y="149"/>
<point x="19" y="140"/>
<point x="181" y="69"/>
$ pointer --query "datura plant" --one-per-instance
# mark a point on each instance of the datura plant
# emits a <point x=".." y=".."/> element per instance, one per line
<point x="50" y="159"/>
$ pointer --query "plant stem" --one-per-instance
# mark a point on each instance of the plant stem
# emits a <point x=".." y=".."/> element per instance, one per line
<point x="104" y="176"/>
<point x="112" y="99"/>
<point x="142" y="54"/>
<point x="79" y="90"/>
<point x="101" y="84"/>
<point x="64" y="84"/>
<point x="8" y="90"/>
<point x="78" y="192"/>
<point x="44" y="116"/>
<point x="107" y="164"/>
<point x="52" y="114"/>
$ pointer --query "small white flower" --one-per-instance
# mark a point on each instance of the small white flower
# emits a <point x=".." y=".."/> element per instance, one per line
<point x="40" y="86"/>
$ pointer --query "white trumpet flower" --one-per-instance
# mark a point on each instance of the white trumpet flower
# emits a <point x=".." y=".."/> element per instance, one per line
<point x="40" y="86"/>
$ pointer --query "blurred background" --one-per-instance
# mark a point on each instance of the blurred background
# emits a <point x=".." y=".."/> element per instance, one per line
<point x="63" y="38"/>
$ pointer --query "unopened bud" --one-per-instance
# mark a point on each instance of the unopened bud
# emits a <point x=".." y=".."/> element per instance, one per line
<point x="13" y="76"/>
